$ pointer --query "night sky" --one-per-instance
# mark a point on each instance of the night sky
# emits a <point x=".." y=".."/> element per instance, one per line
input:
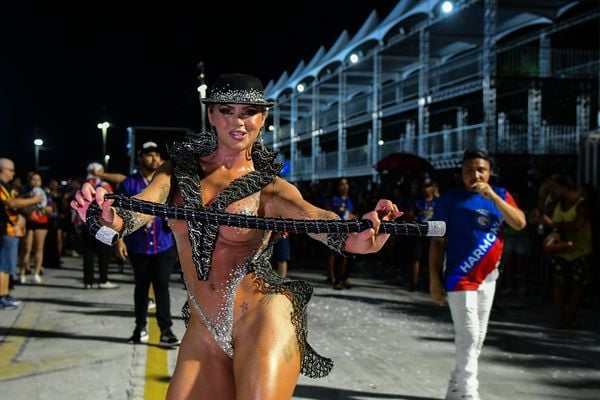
<point x="62" y="72"/>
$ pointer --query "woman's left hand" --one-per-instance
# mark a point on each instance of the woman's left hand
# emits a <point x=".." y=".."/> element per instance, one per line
<point x="370" y="240"/>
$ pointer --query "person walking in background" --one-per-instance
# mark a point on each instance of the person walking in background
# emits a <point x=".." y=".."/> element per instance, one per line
<point x="572" y="263"/>
<point x="422" y="210"/>
<point x="92" y="247"/>
<point x="281" y="254"/>
<point x="337" y="264"/>
<point x="72" y="225"/>
<point x="518" y="249"/>
<point x="152" y="254"/>
<point x="246" y="326"/>
<point x="474" y="215"/>
<point x="54" y="240"/>
<point x="37" y="229"/>
<point x="12" y="227"/>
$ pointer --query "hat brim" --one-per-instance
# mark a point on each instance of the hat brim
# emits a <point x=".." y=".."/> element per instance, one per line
<point x="251" y="103"/>
<point x="149" y="150"/>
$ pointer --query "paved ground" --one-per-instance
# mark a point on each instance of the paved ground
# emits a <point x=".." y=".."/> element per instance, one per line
<point x="65" y="342"/>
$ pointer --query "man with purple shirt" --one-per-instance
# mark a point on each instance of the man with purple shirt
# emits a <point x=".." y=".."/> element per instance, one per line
<point x="152" y="253"/>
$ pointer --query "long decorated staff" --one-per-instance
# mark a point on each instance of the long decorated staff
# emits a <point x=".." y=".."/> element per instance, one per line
<point x="206" y="216"/>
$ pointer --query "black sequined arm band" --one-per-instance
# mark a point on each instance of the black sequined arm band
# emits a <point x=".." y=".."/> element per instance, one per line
<point x="102" y="233"/>
<point x="336" y="230"/>
<point x="132" y="221"/>
<point x="337" y="242"/>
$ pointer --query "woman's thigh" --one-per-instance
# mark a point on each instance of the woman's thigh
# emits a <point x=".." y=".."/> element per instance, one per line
<point x="28" y="242"/>
<point x="40" y="238"/>
<point x="203" y="371"/>
<point x="266" y="358"/>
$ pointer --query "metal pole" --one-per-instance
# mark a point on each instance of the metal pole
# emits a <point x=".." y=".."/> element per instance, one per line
<point x="36" y="146"/>
<point x="103" y="141"/>
<point x="202" y="90"/>
<point x="203" y="111"/>
<point x="103" y="126"/>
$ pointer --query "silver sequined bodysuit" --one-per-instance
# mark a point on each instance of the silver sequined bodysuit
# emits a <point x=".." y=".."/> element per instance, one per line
<point x="203" y="238"/>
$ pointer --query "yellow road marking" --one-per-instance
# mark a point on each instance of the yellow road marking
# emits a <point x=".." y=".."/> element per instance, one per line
<point x="49" y="364"/>
<point x="10" y="348"/>
<point x="157" y="366"/>
<point x="157" y="363"/>
<point x="12" y="344"/>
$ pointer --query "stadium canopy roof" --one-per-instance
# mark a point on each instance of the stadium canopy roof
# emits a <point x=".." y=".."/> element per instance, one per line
<point x="450" y="34"/>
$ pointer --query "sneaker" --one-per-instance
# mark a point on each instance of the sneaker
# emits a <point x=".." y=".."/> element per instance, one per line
<point x="151" y="305"/>
<point x="14" y="300"/>
<point x="168" y="338"/>
<point x="107" y="285"/>
<point x="23" y="279"/>
<point x="140" y="335"/>
<point x="6" y="304"/>
<point x="37" y="278"/>
<point x="453" y="392"/>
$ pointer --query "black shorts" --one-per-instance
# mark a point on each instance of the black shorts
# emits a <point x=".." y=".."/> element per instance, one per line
<point x="34" y="225"/>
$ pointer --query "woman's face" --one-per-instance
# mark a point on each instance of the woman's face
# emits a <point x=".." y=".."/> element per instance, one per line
<point x="237" y="125"/>
<point x="36" y="180"/>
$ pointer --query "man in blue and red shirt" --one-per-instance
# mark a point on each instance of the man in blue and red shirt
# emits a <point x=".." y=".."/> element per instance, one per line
<point x="474" y="216"/>
<point x="152" y="253"/>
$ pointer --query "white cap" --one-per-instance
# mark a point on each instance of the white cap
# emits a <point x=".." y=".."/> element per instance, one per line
<point x="94" y="166"/>
<point x="148" y="147"/>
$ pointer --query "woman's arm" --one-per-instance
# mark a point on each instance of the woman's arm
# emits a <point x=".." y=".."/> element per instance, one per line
<point x="112" y="177"/>
<point x="124" y="221"/>
<point x="157" y="191"/>
<point x="285" y="200"/>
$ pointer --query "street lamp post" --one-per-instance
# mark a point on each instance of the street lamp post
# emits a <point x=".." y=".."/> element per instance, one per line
<point x="103" y="126"/>
<point x="37" y="144"/>
<point x="202" y="90"/>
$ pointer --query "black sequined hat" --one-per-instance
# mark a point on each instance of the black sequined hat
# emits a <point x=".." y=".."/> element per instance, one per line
<point x="238" y="89"/>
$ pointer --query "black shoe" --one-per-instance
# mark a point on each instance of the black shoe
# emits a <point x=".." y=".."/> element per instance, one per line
<point x="168" y="338"/>
<point x="140" y="335"/>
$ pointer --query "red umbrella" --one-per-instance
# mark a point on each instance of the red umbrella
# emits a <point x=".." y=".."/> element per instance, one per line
<point x="404" y="163"/>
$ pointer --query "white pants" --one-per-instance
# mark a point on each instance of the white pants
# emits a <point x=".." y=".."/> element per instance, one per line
<point x="470" y="314"/>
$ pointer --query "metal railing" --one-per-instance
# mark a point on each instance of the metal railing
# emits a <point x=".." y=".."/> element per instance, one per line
<point x="447" y="144"/>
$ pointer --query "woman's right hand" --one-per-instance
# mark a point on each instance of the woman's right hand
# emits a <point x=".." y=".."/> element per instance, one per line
<point x="86" y="195"/>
